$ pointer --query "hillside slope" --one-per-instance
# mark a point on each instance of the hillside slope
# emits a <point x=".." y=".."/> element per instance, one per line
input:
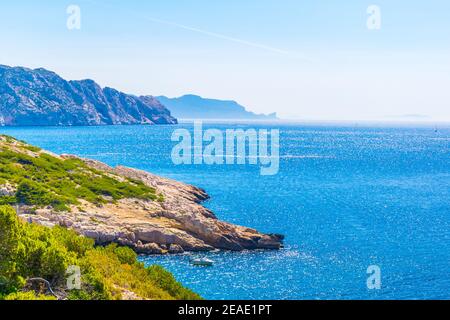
<point x="42" y="98"/>
<point x="40" y="263"/>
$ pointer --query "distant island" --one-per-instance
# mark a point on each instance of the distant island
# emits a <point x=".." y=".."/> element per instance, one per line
<point x="42" y="98"/>
<point x="196" y="107"/>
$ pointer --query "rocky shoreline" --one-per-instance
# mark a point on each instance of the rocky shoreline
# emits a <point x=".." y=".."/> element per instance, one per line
<point x="176" y="224"/>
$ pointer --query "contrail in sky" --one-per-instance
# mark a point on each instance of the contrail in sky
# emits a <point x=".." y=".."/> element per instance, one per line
<point x="216" y="35"/>
<point x="220" y="36"/>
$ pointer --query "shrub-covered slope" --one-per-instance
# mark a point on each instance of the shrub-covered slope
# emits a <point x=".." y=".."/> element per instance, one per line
<point x="29" y="251"/>
<point x="41" y="179"/>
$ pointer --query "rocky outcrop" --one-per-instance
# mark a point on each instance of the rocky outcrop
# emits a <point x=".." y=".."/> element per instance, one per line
<point x="41" y="97"/>
<point x="175" y="224"/>
<point x="7" y="190"/>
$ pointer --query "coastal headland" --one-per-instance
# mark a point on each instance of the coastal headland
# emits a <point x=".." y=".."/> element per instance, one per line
<point x="133" y="208"/>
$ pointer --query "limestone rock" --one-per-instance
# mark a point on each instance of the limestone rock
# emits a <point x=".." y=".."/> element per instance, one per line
<point x="7" y="190"/>
<point x="178" y="224"/>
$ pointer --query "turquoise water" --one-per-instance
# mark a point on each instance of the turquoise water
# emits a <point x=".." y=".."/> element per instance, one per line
<point x="345" y="197"/>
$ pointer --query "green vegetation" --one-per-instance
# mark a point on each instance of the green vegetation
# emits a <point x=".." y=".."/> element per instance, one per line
<point x="31" y="177"/>
<point x="112" y="272"/>
<point x="44" y="180"/>
<point x="32" y="148"/>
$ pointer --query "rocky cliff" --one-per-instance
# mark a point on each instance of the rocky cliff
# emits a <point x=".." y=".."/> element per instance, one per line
<point x="165" y="216"/>
<point x="41" y="97"/>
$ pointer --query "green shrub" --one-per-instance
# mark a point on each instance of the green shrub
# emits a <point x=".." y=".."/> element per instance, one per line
<point x="7" y="200"/>
<point x="30" y="251"/>
<point x="33" y="193"/>
<point x="32" y="148"/>
<point x="27" y="296"/>
<point x="125" y="255"/>
<point x="11" y="231"/>
<point x="166" y="281"/>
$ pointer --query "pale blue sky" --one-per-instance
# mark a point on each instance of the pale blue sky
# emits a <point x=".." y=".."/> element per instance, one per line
<point x="302" y="59"/>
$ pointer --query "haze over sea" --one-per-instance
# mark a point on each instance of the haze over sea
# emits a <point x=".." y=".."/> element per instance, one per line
<point x="346" y="197"/>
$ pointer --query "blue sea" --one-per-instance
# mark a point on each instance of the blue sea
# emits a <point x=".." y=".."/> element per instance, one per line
<point x="346" y="197"/>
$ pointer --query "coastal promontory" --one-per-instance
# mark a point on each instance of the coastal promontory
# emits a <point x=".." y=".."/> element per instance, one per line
<point x="129" y="207"/>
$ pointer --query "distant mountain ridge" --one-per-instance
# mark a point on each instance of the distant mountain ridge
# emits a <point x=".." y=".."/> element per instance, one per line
<point x="42" y="98"/>
<point x="196" y="107"/>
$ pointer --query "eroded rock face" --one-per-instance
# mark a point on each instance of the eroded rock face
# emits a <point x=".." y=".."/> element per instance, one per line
<point x="41" y="97"/>
<point x="179" y="223"/>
